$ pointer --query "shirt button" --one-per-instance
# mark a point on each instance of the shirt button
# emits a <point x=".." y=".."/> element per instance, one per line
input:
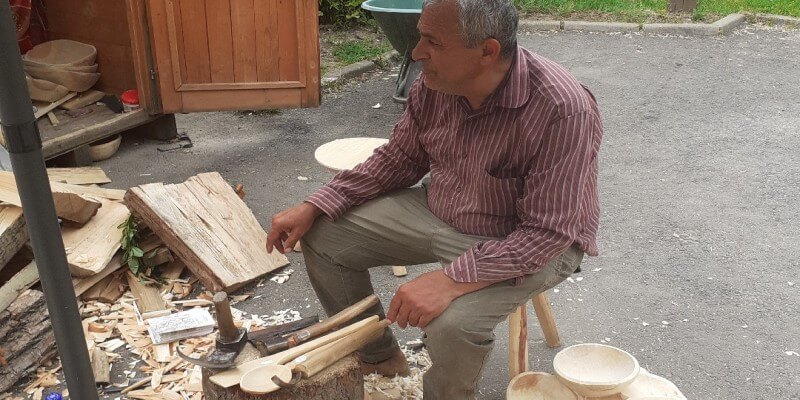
<point x="458" y="188"/>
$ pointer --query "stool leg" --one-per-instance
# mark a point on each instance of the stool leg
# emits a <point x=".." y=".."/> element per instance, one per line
<point x="546" y="321"/>
<point x="517" y="342"/>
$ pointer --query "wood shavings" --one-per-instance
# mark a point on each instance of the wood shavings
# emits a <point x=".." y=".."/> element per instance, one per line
<point x="399" y="387"/>
<point x="281" y="317"/>
<point x="281" y="277"/>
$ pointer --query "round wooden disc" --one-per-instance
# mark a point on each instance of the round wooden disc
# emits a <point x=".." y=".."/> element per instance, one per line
<point x="346" y="153"/>
<point x="538" y="386"/>
<point x="259" y="380"/>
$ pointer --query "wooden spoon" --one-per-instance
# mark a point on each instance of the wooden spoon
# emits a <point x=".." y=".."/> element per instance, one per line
<point x="259" y="380"/>
<point x="231" y="377"/>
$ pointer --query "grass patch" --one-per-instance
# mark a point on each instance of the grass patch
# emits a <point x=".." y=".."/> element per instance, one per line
<point x="642" y="10"/>
<point x="353" y="51"/>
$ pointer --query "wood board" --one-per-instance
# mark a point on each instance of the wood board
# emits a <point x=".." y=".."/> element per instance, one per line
<point x="81" y="285"/>
<point x="78" y="176"/>
<point x="13" y="234"/>
<point x="70" y="205"/>
<point x="91" y="247"/>
<point x="208" y="227"/>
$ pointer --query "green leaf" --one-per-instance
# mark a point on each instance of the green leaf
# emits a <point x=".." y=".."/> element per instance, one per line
<point x="137" y="252"/>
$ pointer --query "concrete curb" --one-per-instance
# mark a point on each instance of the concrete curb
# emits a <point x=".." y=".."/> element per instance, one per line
<point x="778" y="20"/>
<point x="353" y="70"/>
<point x="723" y="26"/>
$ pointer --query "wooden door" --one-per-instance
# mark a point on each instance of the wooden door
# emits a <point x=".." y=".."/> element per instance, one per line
<point x="235" y="54"/>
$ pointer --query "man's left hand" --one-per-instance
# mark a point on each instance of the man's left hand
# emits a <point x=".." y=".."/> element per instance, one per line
<point x="418" y="302"/>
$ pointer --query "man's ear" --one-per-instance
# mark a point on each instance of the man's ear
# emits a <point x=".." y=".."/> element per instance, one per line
<point x="491" y="51"/>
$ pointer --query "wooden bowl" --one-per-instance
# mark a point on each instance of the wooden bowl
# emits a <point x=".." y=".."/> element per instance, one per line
<point x="596" y="370"/>
<point x="62" y="52"/>
<point x="647" y="384"/>
<point x="42" y="90"/>
<point x="73" y="80"/>
<point x="105" y="148"/>
<point x="538" y="386"/>
<point x="342" y="154"/>
<point x="654" y="398"/>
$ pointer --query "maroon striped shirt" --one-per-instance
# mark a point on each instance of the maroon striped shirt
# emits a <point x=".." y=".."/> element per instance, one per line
<point x="522" y="168"/>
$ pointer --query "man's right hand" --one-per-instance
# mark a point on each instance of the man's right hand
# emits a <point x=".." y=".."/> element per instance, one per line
<point x="289" y="225"/>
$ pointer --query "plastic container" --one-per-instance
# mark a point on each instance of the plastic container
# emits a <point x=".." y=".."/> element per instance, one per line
<point x="130" y="100"/>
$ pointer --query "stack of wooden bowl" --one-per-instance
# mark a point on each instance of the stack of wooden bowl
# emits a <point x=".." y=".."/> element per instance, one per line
<point x="593" y="372"/>
<point x="60" y="66"/>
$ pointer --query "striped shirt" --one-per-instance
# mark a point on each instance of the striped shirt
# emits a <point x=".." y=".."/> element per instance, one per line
<point x="522" y="168"/>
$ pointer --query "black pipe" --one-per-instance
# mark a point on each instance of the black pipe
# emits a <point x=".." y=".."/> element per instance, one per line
<point x="25" y="148"/>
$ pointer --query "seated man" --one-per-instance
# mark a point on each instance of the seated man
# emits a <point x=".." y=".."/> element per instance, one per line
<point x="510" y="140"/>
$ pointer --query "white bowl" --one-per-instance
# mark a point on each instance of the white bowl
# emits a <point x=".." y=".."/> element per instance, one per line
<point x="647" y="384"/>
<point x="62" y="52"/>
<point x="596" y="370"/>
<point x="538" y="386"/>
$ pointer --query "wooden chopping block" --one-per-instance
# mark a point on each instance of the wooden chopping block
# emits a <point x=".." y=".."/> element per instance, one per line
<point x="340" y="381"/>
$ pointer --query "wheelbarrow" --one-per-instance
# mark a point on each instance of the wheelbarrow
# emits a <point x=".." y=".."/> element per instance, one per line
<point x="398" y="19"/>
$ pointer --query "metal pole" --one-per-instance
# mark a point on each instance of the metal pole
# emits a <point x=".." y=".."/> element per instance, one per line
<point x="25" y="148"/>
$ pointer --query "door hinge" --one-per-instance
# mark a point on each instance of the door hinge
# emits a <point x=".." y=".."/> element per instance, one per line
<point x="152" y="74"/>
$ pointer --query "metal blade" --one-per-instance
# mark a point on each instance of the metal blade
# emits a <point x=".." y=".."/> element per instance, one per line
<point x="218" y="359"/>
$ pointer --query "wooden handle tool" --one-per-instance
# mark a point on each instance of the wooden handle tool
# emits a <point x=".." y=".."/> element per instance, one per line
<point x="261" y="380"/>
<point x="231" y="377"/>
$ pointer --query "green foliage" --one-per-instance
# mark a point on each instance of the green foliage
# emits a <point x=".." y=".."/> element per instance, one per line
<point x="341" y="12"/>
<point x="133" y="256"/>
<point x="354" y="51"/>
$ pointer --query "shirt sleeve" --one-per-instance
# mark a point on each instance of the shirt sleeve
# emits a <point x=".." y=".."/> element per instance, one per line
<point x="549" y="210"/>
<point x="400" y="163"/>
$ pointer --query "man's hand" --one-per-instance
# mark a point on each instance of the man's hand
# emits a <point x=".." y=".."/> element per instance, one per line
<point x="289" y="225"/>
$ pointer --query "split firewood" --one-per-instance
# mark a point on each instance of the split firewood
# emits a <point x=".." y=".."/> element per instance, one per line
<point x="101" y="367"/>
<point x="91" y="247"/>
<point x="13" y="234"/>
<point x="70" y="205"/>
<point x="148" y="297"/>
<point x="78" y="176"/>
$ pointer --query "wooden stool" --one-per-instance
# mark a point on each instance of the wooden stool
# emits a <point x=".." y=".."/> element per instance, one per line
<point x="518" y="333"/>
<point x="342" y="154"/>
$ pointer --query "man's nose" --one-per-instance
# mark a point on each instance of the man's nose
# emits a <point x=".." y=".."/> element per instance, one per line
<point x="418" y="53"/>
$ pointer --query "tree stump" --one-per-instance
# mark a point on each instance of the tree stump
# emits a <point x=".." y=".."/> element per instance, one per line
<point x="340" y="381"/>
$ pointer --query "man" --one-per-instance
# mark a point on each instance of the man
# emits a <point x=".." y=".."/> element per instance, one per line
<point x="510" y="140"/>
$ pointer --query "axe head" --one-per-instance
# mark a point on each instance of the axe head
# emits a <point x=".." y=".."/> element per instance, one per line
<point x="223" y="356"/>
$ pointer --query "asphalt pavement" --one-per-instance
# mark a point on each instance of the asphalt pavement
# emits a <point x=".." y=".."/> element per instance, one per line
<point x="700" y="189"/>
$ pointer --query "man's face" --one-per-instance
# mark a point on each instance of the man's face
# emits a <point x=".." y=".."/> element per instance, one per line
<point x="446" y="63"/>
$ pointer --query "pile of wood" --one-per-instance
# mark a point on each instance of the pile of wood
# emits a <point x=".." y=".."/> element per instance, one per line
<point x="202" y="224"/>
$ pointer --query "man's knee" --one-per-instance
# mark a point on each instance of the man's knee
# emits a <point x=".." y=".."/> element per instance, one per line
<point x="456" y="325"/>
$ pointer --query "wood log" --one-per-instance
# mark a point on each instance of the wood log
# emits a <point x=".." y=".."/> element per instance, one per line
<point x="340" y="381"/>
<point x="91" y="247"/>
<point x="78" y="176"/>
<point x="13" y="234"/>
<point x="21" y="281"/>
<point x="26" y="337"/>
<point x="208" y="227"/>
<point x="70" y="205"/>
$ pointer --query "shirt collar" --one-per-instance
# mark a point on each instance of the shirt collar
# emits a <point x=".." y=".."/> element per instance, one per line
<point x="514" y="90"/>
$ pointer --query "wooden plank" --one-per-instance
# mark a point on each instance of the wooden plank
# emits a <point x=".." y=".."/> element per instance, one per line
<point x="81" y="285"/>
<point x="108" y="290"/>
<point x="100" y="366"/>
<point x="266" y="40"/>
<point x="13" y="233"/>
<point x="171" y="270"/>
<point x="195" y="41"/>
<point x="26" y="337"/>
<point x="208" y="227"/>
<point x="91" y="191"/>
<point x="91" y="247"/>
<point x="244" y="40"/>
<point x="69" y="205"/>
<point x="311" y="60"/>
<point x="162" y="54"/>
<point x="99" y="124"/>
<point x="44" y="108"/>
<point x="84" y="99"/>
<point x="18" y="283"/>
<point x="148" y="297"/>
<point x="141" y="53"/>
<point x="78" y="176"/>
<point x="220" y="44"/>
<point x="288" y="64"/>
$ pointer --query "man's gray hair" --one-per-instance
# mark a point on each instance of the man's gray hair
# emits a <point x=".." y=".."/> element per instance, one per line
<point x="484" y="19"/>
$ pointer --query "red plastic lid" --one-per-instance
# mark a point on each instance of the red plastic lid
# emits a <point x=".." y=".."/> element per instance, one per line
<point x="130" y="97"/>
